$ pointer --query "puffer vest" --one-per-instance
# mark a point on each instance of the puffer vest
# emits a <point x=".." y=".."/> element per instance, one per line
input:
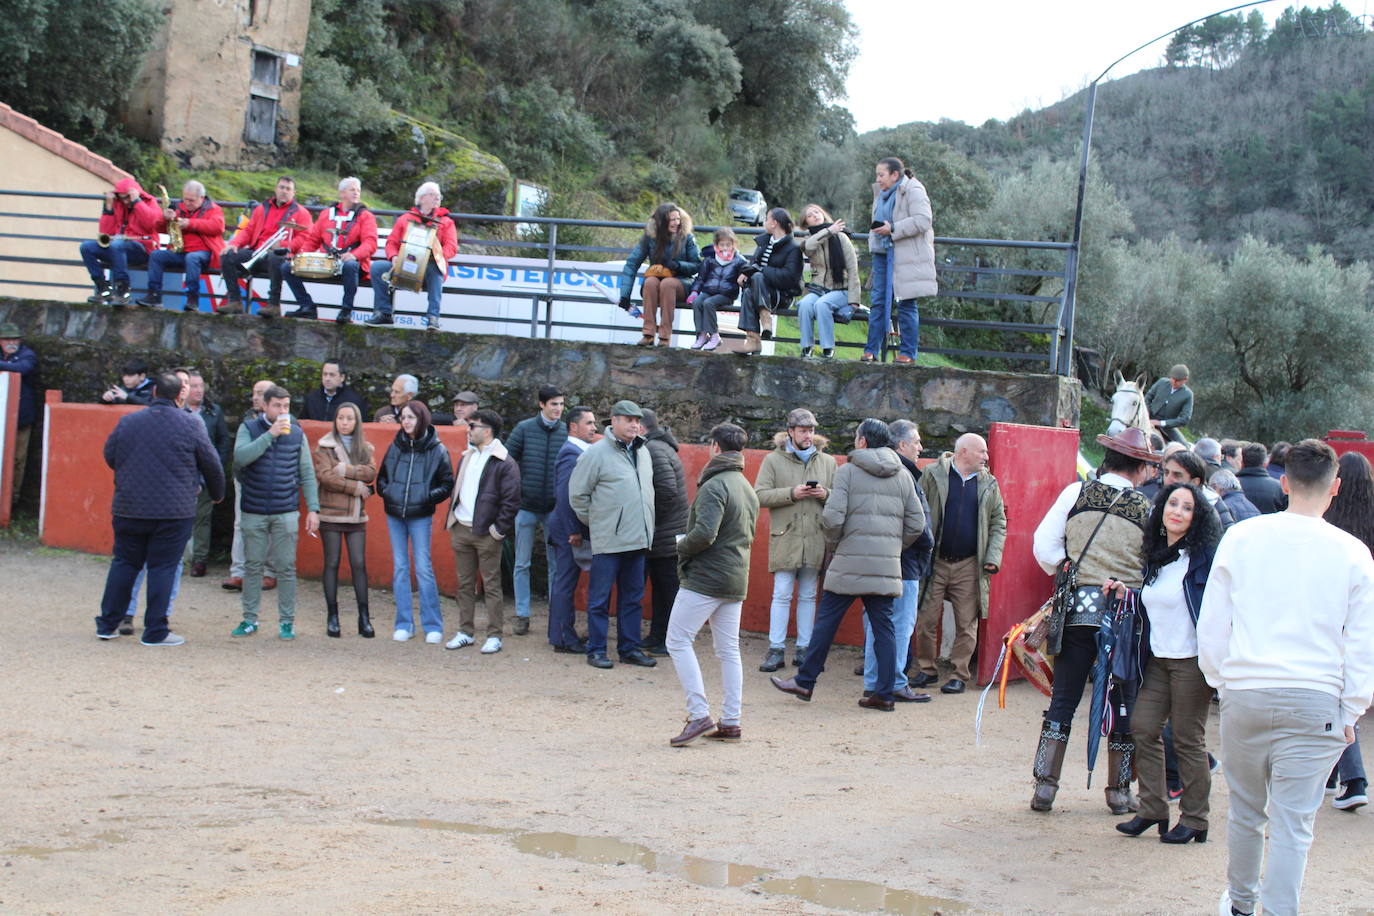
<point x="271" y="485"/>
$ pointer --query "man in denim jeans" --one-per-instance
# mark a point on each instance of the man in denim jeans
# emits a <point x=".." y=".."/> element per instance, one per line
<point x="534" y="444"/>
<point x="793" y="484"/>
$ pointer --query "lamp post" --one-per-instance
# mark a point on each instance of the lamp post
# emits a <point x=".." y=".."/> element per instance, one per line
<point x="1071" y="282"/>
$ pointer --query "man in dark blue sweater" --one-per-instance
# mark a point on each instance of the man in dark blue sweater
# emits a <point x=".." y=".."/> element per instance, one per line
<point x="159" y="456"/>
<point x="535" y="444"/>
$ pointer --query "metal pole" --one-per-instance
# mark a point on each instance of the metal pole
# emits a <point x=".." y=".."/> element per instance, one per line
<point x="1065" y="366"/>
<point x="548" y="267"/>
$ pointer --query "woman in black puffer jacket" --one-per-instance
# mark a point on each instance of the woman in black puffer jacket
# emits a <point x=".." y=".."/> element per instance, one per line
<point x="416" y="476"/>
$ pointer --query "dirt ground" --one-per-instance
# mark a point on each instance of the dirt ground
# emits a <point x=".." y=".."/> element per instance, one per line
<point x="352" y="776"/>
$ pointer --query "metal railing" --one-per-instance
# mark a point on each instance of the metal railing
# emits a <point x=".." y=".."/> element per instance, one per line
<point x="995" y="284"/>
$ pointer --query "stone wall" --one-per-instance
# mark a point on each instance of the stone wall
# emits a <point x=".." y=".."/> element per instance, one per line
<point x="82" y="347"/>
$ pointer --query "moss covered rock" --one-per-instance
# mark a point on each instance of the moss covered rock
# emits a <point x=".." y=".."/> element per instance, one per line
<point x="473" y="181"/>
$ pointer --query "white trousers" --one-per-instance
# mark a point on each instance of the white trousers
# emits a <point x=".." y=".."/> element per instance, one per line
<point x="691" y="611"/>
<point x="805" y="580"/>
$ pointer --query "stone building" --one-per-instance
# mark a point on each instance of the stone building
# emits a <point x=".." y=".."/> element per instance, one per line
<point x="220" y="84"/>
<point x="38" y="256"/>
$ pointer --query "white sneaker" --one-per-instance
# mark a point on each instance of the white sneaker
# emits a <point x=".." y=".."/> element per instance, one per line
<point x="434" y="637"/>
<point x="492" y="645"/>
<point x="171" y="639"/>
<point x="401" y="635"/>
<point x="460" y="641"/>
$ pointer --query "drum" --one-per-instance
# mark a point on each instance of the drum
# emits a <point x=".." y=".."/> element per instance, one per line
<point x="316" y="265"/>
<point x="408" y="270"/>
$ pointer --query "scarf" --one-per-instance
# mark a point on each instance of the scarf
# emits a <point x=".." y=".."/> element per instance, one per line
<point x="804" y="454"/>
<point x="347" y="443"/>
<point x="834" y="256"/>
<point x="882" y="213"/>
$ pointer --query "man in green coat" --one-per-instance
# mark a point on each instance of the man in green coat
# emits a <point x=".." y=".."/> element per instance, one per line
<point x="612" y="492"/>
<point x="969" y="522"/>
<point x="713" y="567"/>
<point x="793" y="483"/>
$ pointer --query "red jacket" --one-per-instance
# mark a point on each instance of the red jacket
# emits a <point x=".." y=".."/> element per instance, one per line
<point x="448" y="232"/>
<point x="265" y="219"/>
<point x="357" y="236"/>
<point x="138" y="223"/>
<point x="204" y="232"/>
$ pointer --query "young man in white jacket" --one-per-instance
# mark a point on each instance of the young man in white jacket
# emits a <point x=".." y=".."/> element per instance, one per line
<point x="1286" y="633"/>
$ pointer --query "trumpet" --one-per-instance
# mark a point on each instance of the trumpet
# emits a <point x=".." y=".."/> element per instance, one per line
<point x="104" y="239"/>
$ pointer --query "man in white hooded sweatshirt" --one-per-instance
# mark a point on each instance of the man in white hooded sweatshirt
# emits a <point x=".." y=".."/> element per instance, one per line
<point x="1286" y="633"/>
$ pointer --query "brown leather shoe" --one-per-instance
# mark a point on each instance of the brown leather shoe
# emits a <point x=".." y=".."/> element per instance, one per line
<point x="903" y="360"/>
<point x="230" y="307"/>
<point x="268" y="583"/>
<point x="693" y="730"/>
<point x="197" y="570"/>
<point x="791" y="686"/>
<point x="907" y="695"/>
<point x="268" y="310"/>
<point x="877" y="703"/>
<point x="232" y="584"/>
<point x="725" y="733"/>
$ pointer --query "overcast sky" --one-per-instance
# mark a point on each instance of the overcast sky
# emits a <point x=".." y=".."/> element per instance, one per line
<point x="983" y="59"/>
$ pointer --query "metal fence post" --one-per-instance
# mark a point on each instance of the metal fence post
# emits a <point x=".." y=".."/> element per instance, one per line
<point x="548" y="277"/>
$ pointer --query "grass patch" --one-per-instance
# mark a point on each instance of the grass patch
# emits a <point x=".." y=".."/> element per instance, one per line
<point x="855" y="332"/>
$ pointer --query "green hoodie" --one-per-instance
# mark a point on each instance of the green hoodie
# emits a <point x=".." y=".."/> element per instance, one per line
<point x="713" y="556"/>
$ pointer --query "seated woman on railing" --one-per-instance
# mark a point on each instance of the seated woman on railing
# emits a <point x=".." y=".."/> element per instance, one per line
<point x="716" y="286"/>
<point x="667" y="244"/>
<point x="833" y="293"/>
<point x="770" y="280"/>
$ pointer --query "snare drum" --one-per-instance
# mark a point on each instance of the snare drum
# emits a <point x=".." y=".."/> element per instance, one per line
<point x="316" y="265"/>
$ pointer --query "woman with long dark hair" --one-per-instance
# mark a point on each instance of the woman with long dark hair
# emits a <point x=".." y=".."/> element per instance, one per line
<point x="416" y="476"/>
<point x="1177" y="549"/>
<point x="345" y="467"/>
<point x="770" y="278"/>
<point x="674" y="259"/>
<point x="1352" y="511"/>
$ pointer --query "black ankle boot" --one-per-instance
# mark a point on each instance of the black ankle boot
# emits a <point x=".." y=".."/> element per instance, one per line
<point x="364" y="623"/>
<point x="331" y="622"/>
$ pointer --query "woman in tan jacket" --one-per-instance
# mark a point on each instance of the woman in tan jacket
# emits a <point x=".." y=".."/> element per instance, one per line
<point x="833" y="293"/>
<point x="345" y="467"/>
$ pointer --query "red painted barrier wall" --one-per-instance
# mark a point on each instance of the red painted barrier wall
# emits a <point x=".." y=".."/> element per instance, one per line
<point x="1032" y="465"/>
<point x="1030" y="462"/>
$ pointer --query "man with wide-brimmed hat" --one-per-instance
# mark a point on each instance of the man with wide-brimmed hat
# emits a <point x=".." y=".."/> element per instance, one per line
<point x="1098" y="526"/>
<point x="23" y="362"/>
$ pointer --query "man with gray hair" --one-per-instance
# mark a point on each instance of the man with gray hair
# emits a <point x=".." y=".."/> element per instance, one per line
<point x="871" y="515"/>
<point x="443" y="245"/>
<point x="404" y="389"/>
<point x="970" y="525"/>
<point x="1170" y="402"/>
<point x="281" y="212"/>
<point x="1227" y="486"/>
<point x="346" y="231"/>
<point x="1209" y="450"/>
<point x="201" y="222"/>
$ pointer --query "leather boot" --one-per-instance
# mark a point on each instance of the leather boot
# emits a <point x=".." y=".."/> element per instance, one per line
<point x="364" y="622"/>
<point x="752" y="345"/>
<point x="331" y="620"/>
<point x="1120" y="769"/>
<point x="1049" y="760"/>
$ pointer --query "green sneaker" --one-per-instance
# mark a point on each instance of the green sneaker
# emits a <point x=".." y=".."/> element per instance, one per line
<point x="244" y="629"/>
<point x="286" y="631"/>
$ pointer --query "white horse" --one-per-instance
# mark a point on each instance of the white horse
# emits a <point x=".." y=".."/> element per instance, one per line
<point x="1128" y="408"/>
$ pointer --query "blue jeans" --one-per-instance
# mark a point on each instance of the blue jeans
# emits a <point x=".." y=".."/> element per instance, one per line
<point x="381" y="293"/>
<point x="821" y="309"/>
<point x="157" y="543"/>
<point x="525" y="522"/>
<point x="119" y="257"/>
<point x="351" y="271"/>
<point x="191" y="263"/>
<point x="406" y="535"/>
<point x="624" y="571"/>
<point x="562" y="614"/>
<point x="1351" y="764"/>
<point x="833" y="607"/>
<point x="138" y="583"/>
<point x="903" y="623"/>
<point x="908" y="316"/>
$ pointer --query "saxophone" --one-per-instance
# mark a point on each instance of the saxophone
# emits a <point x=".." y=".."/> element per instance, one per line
<point x="174" y="241"/>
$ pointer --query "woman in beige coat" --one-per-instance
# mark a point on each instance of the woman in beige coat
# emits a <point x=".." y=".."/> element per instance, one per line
<point x="903" y="246"/>
<point x="345" y="466"/>
<point x="833" y="293"/>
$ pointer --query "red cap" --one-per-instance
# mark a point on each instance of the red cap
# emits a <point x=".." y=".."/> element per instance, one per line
<point x="125" y="185"/>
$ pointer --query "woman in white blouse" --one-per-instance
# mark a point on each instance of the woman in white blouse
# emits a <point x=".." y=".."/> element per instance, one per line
<point x="1177" y="551"/>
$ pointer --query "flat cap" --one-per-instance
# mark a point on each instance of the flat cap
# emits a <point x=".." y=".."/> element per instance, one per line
<point x="626" y="409"/>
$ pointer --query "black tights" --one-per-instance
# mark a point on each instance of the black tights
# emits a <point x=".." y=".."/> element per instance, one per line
<point x="357" y="561"/>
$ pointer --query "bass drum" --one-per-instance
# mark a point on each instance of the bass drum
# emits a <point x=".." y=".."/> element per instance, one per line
<point x="316" y="265"/>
